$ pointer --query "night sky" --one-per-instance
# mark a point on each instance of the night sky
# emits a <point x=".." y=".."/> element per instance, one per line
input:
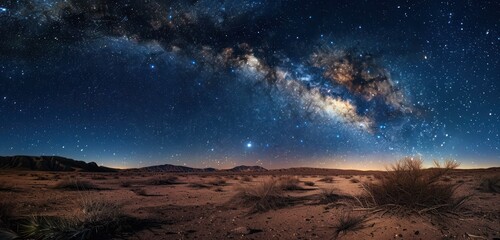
<point x="219" y="83"/>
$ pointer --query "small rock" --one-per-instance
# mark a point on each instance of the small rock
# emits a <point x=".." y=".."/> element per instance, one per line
<point x="241" y="231"/>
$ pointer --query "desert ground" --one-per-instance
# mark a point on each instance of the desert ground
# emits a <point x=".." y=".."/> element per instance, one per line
<point x="210" y="206"/>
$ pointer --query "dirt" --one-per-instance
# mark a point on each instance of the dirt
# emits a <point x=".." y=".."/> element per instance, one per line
<point x="181" y="211"/>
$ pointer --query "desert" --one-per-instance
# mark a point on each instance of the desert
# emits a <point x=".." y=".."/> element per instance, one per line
<point x="299" y="203"/>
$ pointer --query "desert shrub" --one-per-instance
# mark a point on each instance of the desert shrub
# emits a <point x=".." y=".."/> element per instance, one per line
<point x="326" y="179"/>
<point x="42" y="178"/>
<point x="408" y="186"/>
<point x="95" y="220"/>
<point x="219" y="189"/>
<point x="446" y="179"/>
<point x="4" y="187"/>
<point x="246" y="178"/>
<point x="198" y="185"/>
<point x="140" y="191"/>
<point x="98" y="177"/>
<point x="163" y="180"/>
<point x="262" y="197"/>
<point x="347" y="222"/>
<point x="354" y="180"/>
<point x="490" y="184"/>
<point x="327" y="196"/>
<point x="289" y="183"/>
<point x="76" y="185"/>
<point x="218" y="182"/>
<point x="6" y="210"/>
<point x="309" y="183"/>
<point x="125" y="184"/>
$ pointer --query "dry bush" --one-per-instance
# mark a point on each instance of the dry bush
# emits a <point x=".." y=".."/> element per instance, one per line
<point x="326" y="179"/>
<point x="125" y="184"/>
<point x="140" y="191"/>
<point x="354" y="180"/>
<point x="6" y="211"/>
<point x="327" y="196"/>
<point x="95" y="219"/>
<point x="348" y="222"/>
<point x="42" y="178"/>
<point x="290" y="183"/>
<point x="309" y="183"/>
<point x="4" y="187"/>
<point x="76" y="185"/>
<point x="98" y="177"/>
<point x="218" y="182"/>
<point x="163" y="180"/>
<point x="198" y="185"/>
<point x="246" y="178"/>
<point x="490" y="184"/>
<point x="262" y="197"/>
<point x="407" y="186"/>
<point x="219" y="189"/>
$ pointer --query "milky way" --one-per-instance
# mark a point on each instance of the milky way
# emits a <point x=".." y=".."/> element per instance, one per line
<point x="278" y="83"/>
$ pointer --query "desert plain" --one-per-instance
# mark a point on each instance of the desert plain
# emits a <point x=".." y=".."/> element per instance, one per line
<point x="313" y="204"/>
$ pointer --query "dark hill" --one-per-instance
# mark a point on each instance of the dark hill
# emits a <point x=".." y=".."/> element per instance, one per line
<point x="174" y="168"/>
<point x="244" y="168"/>
<point x="49" y="163"/>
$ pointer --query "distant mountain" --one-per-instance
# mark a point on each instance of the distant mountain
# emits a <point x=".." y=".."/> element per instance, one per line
<point x="244" y="168"/>
<point x="49" y="163"/>
<point x="174" y="168"/>
<point x="184" y="169"/>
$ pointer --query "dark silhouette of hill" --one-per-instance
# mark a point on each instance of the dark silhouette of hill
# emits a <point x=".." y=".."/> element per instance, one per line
<point x="244" y="168"/>
<point x="49" y="163"/>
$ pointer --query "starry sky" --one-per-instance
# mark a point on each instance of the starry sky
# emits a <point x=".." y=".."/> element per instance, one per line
<point x="276" y="83"/>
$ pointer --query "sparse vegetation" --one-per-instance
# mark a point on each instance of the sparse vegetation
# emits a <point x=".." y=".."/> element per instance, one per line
<point x="406" y="186"/>
<point x="139" y="191"/>
<point x="125" y="184"/>
<point x="347" y="222"/>
<point x="98" y="177"/>
<point x="76" y="185"/>
<point x="326" y="179"/>
<point x="163" y="180"/>
<point x="290" y="183"/>
<point x="262" y="197"/>
<point x="96" y="220"/>
<point x="218" y="182"/>
<point x="6" y="211"/>
<point x="198" y="185"/>
<point x="354" y="180"/>
<point x="490" y="184"/>
<point x="329" y="196"/>
<point x="309" y="183"/>
<point x="246" y="178"/>
<point x="4" y="187"/>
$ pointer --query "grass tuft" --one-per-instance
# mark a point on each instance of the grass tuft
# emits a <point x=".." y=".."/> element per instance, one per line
<point x="76" y="185"/>
<point x="309" y="183"/>
<point x="96" y="220"/>
<point x="163" y="180"/>
<point x="348" y="222"/>
<point x="326" y="179"/>
<point x="262" y="197"/>
<point x="490" y="184"/>
<point x="407" y="186"/>
<point x="246" y="178"/>
<point x="218" y="182"/>
<point x="198" y="185"/>
<point x="290" y="183"/>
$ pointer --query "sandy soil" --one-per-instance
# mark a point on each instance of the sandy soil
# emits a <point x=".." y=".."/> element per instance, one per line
<point x="180" y="211"/>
